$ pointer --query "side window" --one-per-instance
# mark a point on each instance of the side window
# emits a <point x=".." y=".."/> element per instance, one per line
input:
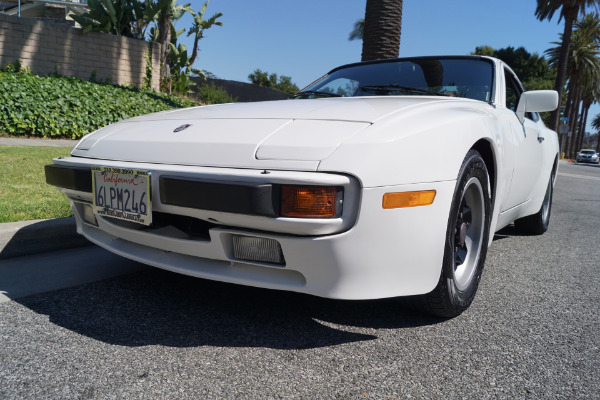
<point x="513" y="91"/>
<point x="513" y="94"/>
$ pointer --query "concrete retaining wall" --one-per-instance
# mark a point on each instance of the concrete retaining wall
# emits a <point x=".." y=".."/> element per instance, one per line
<point x="47" y="47"/>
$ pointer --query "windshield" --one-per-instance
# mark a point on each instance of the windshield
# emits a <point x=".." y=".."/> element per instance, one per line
<point x="456" y="77"/>
<point x="588" y="152"/>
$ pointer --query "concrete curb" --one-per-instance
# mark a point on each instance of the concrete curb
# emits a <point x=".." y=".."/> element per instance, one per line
<point x="15" y="141"/>
<point x="38" y="236"/>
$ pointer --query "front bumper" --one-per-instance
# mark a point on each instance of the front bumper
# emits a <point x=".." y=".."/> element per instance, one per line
<point x="588" y="160"/>
<point x="239" y="197"/>
<point x="366" y="253"/>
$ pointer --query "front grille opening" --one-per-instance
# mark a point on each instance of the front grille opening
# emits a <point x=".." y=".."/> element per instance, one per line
<point x="172" y="225"/>
<point x="195" y="228"/>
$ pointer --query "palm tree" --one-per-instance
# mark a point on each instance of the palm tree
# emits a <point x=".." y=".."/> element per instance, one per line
<point x="166" y="10"/>
<point x="596" y="126"/>
<point x="583" y="71"/>
<point x="357" y="30"/>
<point x="381" y="36"/>
<point x="200" y="25"/>
<point x="589" y="28"/>
<point x="569" y="10"/>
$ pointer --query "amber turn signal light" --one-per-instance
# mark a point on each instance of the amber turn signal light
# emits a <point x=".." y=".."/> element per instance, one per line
<point x="408" y="199"/>
<point x="309" y="201"/>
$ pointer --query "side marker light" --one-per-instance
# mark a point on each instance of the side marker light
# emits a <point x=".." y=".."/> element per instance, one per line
<point x="408" y="199"/>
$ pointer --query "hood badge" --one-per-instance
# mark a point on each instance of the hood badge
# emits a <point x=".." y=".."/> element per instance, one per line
<point x="182" y="127"/>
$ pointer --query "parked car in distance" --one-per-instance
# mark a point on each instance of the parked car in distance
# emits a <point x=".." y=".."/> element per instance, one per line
<point x="380" y="179"/>
<point x="587" y="156"/>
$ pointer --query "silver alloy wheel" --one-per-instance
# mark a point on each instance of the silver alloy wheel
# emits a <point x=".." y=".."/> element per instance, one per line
<point x="546" y="203"/>
<point x="468" y="238"/>
<point x="467" y="235"/>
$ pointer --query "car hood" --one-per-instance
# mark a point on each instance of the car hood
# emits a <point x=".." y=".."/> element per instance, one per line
<point x="293" y="134"/>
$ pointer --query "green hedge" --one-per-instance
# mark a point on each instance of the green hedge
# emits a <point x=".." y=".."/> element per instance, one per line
<point x="58" y="106"/>
<point x="213" y="94"/>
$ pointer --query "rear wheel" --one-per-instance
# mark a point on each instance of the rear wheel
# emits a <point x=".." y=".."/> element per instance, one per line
<point x="466" y="242"/>
<point x="538" y="223"/>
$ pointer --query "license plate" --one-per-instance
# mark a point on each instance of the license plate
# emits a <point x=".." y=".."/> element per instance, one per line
<point x="122" y="193"/>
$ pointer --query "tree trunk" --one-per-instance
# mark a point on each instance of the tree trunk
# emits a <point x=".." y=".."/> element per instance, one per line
<point x="573" y="123"/>
<point x="570" y="14"/>
<point x="569" y="114"/>
<point x="164" y="38"/>
<point x="574" y="132"/>
<point x="586" y="108"/>
<point x="574" y="113"/>
<point x="581" y="128"/>
<point x="383" y="23"/>
<point x="195" y="51"/>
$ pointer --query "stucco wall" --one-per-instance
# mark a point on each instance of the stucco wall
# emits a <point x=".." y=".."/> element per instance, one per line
<point x="47" y="47"/>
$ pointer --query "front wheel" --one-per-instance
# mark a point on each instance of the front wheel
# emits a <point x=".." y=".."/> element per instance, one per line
<point x="466" y="241"/>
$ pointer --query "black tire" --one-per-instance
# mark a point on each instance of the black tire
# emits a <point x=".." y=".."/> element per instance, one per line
<point x="537" y="223"/>
<point x="466" y="242"/>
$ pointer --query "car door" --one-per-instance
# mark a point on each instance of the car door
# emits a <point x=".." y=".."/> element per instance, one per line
<point x="527" y="147"/>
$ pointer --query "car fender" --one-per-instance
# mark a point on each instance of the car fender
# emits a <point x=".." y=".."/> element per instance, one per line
<point x="426" y="146"/>
<point x="423" y="149"/>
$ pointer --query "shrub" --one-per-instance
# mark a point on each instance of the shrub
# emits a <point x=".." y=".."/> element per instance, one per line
<point x="213" y="94"/>
<point x="58" y="106"/>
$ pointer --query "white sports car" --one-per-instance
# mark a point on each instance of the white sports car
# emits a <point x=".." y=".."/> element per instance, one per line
<point x="380" y="179"/>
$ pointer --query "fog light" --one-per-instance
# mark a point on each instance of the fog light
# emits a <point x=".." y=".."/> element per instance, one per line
<point x="88" y="215"/>
<point x="252" y="248"/>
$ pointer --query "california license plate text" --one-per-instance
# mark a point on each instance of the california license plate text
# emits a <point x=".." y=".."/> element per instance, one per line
<point x="122" y="194"/>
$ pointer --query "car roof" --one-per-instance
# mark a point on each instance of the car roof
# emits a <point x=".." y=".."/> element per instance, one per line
<point x="446" y="57"/>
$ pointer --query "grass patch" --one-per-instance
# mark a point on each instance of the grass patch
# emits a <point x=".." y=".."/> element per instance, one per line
<point x="24" y="194"/>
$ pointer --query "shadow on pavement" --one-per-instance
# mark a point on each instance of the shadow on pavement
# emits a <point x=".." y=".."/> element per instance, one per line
<point x="39" y="237"/>
<point x="509" y="231"/>
<point x="156" y="307"/>
<point x="589" y="165"/>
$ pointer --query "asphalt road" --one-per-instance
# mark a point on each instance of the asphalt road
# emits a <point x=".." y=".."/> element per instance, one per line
<point x="532" y="332"/>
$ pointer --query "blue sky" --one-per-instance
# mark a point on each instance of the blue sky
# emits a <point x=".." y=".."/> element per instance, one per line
<point x="304" y="39"/>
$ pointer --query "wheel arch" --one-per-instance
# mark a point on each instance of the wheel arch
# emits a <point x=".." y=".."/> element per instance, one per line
<point x="484" y="148"/>
<point x="554" y="170"/>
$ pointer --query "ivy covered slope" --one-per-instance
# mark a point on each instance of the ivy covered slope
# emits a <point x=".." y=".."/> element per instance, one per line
<point x="58" y="106"/>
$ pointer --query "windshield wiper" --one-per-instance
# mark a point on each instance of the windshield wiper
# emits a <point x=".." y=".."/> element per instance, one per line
<point x="316" y="93"/>
<point x="391" y="88"/>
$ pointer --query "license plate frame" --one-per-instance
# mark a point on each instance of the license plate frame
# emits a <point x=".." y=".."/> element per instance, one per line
<point x="123" y="194"/>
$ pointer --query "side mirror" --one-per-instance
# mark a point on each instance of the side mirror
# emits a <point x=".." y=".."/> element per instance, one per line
<point x="536" y="101"/>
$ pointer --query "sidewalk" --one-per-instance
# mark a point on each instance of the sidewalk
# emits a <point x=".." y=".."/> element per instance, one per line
<point x="37" y="142"/>
<point x="38" y="236"/>
<point x="30" y="258"/>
